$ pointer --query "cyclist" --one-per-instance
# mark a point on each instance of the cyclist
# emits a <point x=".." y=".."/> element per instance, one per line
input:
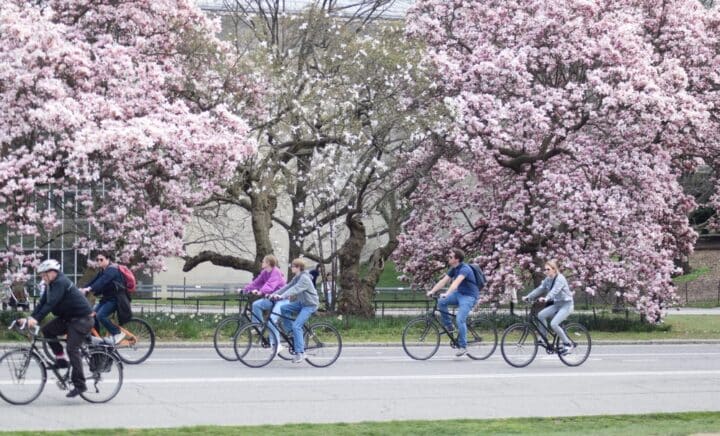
<point x="270" y="280"/>
<point x="109" y="284"/>
<point x="73" y="316"/>
<point x="303" y="300"/>
<point x="462" y="292"/>
<point x="559" y="295"/>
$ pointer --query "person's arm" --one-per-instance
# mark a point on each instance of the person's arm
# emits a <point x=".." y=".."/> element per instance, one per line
<point x="439" y="285"/>
<point x="274" y="282"/>
<point x="105" y="279"/>
<point x="257" y="283"/>
<point x="303" y="284"/>
<point x="453" y="286"/>
<point x="52" y="298"/>
<point x="537" y="291"/>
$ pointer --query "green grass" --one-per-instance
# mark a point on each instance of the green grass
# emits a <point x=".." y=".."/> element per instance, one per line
<point x="604" y="326"/>
<point x="637" y="425"/>
<point x="695" y="274"/>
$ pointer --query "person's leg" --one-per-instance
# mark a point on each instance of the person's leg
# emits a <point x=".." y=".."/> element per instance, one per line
<point x="544" y="315"/>
<point x="78" y="329"/>
<point x="443" y="304"/>
<point x="258" y="307"/>
<point x="288" y="310"/>
<point x="275" y="316"/>
<point x="563" y="312"/>
<point x="52" y="330"/>
<point x="465" y="305"/>
<point x="103" y="315"/>
<point x="96" y="320"/>
<point x="297" y="326"/>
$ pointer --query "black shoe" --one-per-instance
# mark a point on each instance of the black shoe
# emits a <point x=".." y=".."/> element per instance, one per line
<point x="75" y="392"/>
<point x="59" y="364"/>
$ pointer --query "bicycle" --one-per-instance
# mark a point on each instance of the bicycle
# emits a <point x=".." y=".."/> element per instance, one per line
<point x="421" y="336"/>
<point x="227" y="329"/>
<point x="253" y="347"/>
<point x="27" y="371"/>
<point x="135" y="348"/>
<point x="520" y="343"/>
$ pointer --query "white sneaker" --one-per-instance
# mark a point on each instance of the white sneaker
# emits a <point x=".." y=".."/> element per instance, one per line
<point x="298" y="358"/>
<point x="280" y="349"/>
<point x="119" y="337"/>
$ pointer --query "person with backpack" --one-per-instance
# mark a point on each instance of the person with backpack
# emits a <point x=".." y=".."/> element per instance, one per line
<point x="560" y="300"/>
<point x="73" y="316"/>
<point x="109" y="284"/>
<point x="463" y="291"/>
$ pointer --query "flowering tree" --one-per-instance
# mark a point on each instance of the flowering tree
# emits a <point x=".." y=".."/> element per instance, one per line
<point x="338" y="117"/>
<point x="574" y="121"/>
<point x="97" y="100"/>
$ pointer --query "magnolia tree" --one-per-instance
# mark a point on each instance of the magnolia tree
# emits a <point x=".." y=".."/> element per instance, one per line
<point x="573" y="122"/>
<point x="338" y="119"/>
<point x="95" y="101"/>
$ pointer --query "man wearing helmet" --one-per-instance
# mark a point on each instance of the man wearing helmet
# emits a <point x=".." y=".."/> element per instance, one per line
<point x="73" y="316"/>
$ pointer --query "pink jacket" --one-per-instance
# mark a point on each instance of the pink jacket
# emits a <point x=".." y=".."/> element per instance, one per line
<point x="267" y="282"/>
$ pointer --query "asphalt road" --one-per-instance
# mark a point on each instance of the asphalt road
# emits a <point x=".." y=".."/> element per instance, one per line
<point x="181" y="387"/>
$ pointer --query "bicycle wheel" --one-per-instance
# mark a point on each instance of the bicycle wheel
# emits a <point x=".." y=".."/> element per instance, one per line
<point x="224" y="336"/>
<point x="103" y="372"/>
<point x="421" y="338"/>
<point x="519" y="345"/>
<point x="323" y="345"/>
<point x="139" y="342"/>
<point x="253" y="347"/>
<point x="481" y="338"/>
<point x="580" y="337"/>
<point x="22" y="376"/>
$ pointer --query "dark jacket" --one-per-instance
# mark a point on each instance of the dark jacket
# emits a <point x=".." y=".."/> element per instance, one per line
<point x="108" y="283"/>
<point x="63" y="299"/>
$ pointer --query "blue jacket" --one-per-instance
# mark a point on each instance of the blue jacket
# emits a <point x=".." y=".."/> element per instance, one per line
<point x="107" y="282"/>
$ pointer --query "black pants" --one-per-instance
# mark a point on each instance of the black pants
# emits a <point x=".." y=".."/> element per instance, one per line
<point x="77" y="329"/>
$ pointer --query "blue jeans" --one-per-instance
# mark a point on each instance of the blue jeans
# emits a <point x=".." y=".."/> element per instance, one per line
<point x="465" y="304"/>
<point x="303" y="314"/>
<point x="559" y="313"/>
<point x="103" y="310"/>
<point x="265" y="304"/>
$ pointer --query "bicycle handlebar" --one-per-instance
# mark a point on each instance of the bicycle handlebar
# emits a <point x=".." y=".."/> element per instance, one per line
<point x="20" y="327"/>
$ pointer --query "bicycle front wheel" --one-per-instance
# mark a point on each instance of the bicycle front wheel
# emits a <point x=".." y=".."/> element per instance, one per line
<point x="224" y="337"/>
<point x="22" y="376"/>
<point x="139" y="342"/>
<point x="323" y="345"/>
<point x="253" y="346"/>
<point x="421" y="338"/>
<point x="103" y="372"/>
<point x="580" y="338"/>
<point x="519" y="345"/>
<point x="481" y="338"/>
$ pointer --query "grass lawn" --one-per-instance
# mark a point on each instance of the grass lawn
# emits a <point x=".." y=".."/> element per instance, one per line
<point x="636" y="425"/>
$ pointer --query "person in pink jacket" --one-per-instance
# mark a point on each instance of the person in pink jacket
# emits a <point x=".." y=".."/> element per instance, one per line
<point x="270" y="280"/>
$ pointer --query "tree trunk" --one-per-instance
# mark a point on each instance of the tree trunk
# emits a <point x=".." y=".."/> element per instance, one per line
<point x="354" y="299"/>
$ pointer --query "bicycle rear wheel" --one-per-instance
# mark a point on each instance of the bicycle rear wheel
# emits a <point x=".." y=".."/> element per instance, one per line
<point x="224" y="337"/>
<point x="22" y="376"/>
<point x="323" y="345"/>
<point x="253" y="347"/>
<point x="139" y="342"/>
<point x="519" y="345"/>
<point x="103" y="372"/>
<point x="580" y="337"/>
<point x="421" y="338"/>
<point x="481" y="338"/>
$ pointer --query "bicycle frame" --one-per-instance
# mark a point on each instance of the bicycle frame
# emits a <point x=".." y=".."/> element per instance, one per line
<point x="537" y="325"/>
<point x="434" y="315"/>
<point x="283" y="336"/>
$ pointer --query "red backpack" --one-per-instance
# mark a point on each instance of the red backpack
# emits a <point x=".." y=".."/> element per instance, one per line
<point x="130" y="282"/>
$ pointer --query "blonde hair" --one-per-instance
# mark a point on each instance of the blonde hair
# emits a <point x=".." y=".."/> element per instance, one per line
<point x="300" y="263"/>
<point x="552" y="263"/>
<point x="271" y="260"/>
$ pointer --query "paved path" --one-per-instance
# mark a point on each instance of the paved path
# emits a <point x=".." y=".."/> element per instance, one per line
<point x="180" y="387"/>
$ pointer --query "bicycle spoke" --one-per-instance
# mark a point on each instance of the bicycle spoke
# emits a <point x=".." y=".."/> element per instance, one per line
<point x="421" y="338"/>
<point x="322" y="345"/>
<point x="22" y="376"/>
<point x="519" y="345"/>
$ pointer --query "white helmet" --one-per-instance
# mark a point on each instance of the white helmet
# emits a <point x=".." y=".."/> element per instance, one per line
<point x="48" y="265"/>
